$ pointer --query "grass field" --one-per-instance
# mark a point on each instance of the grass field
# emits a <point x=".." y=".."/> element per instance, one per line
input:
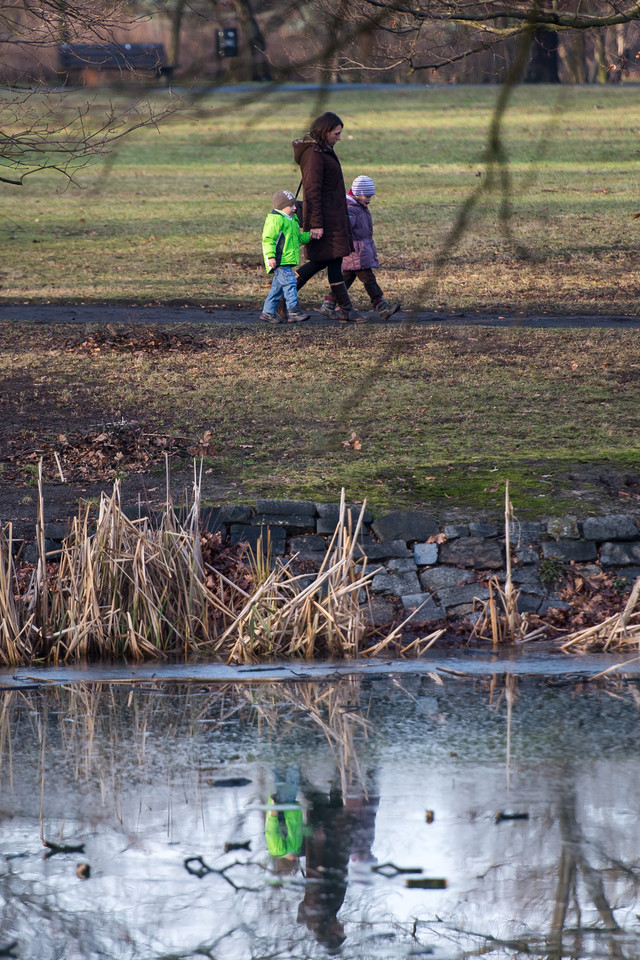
<point x="177" y="213"/>
<point x="442" y="416"/>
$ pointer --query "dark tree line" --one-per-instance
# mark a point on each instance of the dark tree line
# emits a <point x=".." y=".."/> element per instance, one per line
<point x="435" y="40"/>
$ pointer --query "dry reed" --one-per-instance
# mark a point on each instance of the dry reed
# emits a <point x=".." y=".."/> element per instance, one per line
<point x="618" y="632"/>
<point x="133" y="589"/>
<point x="15" y="626"/>
<point x="499" y="619"/>
<point x="288" y="616"/>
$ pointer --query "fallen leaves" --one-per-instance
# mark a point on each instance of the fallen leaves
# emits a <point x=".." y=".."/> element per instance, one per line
<point x="591" y="600"/>
<point x="139" y="339"/>
<point x="437" y="538"/>
<point x="204" y="447"/>
<point x="353" y="442"/>
<point x="102" y="455"/>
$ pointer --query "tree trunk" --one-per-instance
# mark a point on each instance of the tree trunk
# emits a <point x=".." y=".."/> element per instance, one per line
<point x="573" y="55"/>
<point x="176" y="23"/>
<point x="601" y="57"/>
<point x="543" y="65"/>
<point x="260" y="69"/>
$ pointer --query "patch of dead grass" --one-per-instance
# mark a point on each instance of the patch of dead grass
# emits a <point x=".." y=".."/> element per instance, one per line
<point x="439" y="413"/>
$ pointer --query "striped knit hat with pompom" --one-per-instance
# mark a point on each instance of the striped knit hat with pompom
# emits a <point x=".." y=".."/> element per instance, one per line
<point x="363" y="186"/>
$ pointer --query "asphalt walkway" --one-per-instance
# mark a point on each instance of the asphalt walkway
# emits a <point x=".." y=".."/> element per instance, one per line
<point x="112" y="313"/>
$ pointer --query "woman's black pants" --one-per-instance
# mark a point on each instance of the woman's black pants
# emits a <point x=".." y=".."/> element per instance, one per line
<point x="309" y="269"/>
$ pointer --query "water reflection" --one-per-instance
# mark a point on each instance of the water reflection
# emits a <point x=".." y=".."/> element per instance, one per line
<point x="278" y="820"/>
<point x="338" y="828"/>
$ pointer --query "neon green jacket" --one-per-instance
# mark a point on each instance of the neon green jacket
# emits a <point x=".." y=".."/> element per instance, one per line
<point x="280" y="842"/>
<point x="281" y="238"/>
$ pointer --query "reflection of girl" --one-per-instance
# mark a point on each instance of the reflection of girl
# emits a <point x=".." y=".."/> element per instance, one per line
<point x="325" y="213"/>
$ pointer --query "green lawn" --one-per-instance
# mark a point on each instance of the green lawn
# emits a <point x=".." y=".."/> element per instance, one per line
<point x="443" y="416"/>
<point x="177" y="214"/>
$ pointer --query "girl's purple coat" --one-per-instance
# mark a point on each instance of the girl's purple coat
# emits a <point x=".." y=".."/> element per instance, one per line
<point x="364" y="254"/>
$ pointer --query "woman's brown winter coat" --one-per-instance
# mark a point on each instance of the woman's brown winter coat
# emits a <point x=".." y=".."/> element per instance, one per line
<point x="325" y="202"/>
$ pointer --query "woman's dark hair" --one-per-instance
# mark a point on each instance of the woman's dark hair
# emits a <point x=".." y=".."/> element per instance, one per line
<point x="324" y="125"/>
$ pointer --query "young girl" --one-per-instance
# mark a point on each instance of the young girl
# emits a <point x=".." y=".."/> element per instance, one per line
<point x="361" y="262"/>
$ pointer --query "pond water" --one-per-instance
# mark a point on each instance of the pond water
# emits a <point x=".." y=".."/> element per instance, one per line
<point x="277" y="819"/>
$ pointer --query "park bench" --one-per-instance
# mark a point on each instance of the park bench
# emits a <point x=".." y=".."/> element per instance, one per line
<point x="81" y="61"/>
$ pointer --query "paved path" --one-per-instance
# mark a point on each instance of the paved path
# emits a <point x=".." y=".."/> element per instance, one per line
<point x="110" y="313"/>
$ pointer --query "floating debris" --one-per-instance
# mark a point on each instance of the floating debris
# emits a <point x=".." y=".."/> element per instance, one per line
<point x="391" y="870"/>
<point x="53" y="848"/>
<point x="426" y="883"/>
<point x="230" y="782"/>
<point x="229" y="847"/>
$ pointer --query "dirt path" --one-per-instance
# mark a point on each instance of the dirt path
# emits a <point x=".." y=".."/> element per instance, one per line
<point x="162" y="314"/>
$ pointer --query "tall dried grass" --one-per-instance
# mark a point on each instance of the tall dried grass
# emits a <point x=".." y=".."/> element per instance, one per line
<point x="499" y="619"/>
<point x="289" y="616"/>
<point x="133" y="589"/>
<point x="616" y="633"/>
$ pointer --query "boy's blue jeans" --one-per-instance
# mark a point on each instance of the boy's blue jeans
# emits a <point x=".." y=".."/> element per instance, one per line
<point x="284" y="283"/>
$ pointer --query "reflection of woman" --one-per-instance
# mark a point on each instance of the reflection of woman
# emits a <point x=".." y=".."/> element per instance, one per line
<point x="325" y="212"/>
<point x="327" y="848"/>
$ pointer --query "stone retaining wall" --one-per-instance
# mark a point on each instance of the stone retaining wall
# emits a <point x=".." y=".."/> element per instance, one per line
<point x="441" y="568"/>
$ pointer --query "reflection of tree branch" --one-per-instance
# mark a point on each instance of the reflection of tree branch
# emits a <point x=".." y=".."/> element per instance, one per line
<point x="573" y="837"/>
<point x="593" y="882"/>
<point x="564" y="887"/>
<point x="573" y="858"/>
<point x="203" y="869"/>
<point x="521" y="945"/>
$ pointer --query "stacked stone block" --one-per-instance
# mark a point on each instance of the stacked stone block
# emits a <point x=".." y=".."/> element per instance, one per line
<point x="435" y="570"/>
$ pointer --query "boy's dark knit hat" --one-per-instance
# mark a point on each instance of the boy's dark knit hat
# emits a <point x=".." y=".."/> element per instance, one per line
<point x="283" y="198"/>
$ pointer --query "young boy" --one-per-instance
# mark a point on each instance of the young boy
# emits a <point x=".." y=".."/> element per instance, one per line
<point x="281" y="239"/>
<point x="360" y="263"/>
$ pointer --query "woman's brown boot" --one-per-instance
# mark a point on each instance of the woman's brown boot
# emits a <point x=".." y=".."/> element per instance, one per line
<point x="347" y="312"/>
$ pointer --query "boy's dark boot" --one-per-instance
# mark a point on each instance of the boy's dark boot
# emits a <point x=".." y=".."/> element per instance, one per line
<point x="347" y="313"/>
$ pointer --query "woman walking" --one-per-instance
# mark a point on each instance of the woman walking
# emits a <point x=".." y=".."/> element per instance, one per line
<point x="325" y="213"/>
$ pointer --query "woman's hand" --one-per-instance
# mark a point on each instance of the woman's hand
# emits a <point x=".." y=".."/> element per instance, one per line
<point x="316" y="233"/>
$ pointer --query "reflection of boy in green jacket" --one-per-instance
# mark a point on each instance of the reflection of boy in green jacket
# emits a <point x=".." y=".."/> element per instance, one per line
<point x="283" y="825"/>
<point x="283" y="831"/>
